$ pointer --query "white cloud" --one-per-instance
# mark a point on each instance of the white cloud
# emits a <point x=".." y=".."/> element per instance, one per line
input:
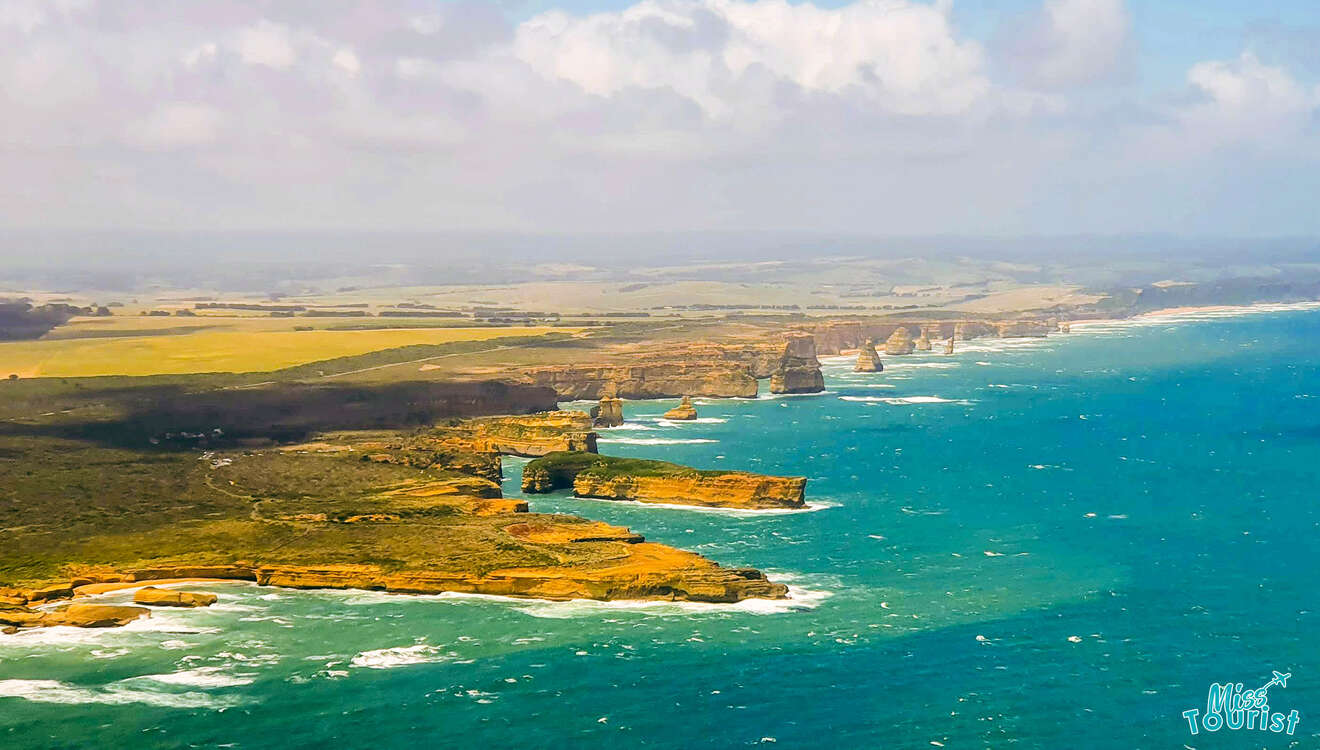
<point x="878" y="115"/>
<point x="177" y="126"/>
<point x="1071" y="42"/>
<point x="347" y="60"/>
<point x="267" y="44"/>
<point x="903" y="56"/>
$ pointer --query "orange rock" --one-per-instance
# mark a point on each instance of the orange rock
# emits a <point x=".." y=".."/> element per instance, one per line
<point x="172" y="598"/>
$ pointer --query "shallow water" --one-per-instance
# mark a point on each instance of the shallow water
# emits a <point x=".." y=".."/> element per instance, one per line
<point x="1033" y="543"/>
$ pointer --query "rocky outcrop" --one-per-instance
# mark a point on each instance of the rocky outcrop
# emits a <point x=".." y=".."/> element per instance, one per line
<point x="71" y="615"/>
<point x="948" y="346"/>
<point x="597" y="561"/>
<point x="684" y="411"/>
<point x="155" y="597"/>
<point x="1065" y="326"/>
<point x="609" y="413"/>
<point x="868" y="360"/>
<point x="922" y="344"/>
<point x="646" y="481"/>
<point x="1023" y="329"/>
<point x="534" y="434"/>
<point x="799" y="370"/>
<point x="899" y="342"/>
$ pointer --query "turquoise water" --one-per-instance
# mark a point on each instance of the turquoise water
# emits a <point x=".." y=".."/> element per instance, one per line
<point x="1064" y="550"/>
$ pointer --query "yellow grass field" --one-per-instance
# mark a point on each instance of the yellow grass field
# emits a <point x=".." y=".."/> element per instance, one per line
<point x="221" y="350"/>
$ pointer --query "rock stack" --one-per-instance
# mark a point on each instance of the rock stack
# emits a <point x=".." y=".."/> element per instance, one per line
<point x="799" y="370"/>
<point x="610" y="411"/>
<point x="922" y="344"/>
<point x="868" y="360"/>
<point x="684" y="411"/>
<point x="1065" y="327"/>
<point x="899" y="342"/>
<point x="948" y="345"/>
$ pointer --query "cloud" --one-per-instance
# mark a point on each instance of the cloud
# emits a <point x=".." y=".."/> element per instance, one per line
<point x="897" y="55"/>
<point x="266" y="44"/>
<point x="1069" y="43"/>
<point x="874" y="116"/>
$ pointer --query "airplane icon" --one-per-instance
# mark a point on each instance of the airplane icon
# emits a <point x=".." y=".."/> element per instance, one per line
<point x="1280" y="679"/>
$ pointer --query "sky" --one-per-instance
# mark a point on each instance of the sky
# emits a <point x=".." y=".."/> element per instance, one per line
<point x="883" y="117"/>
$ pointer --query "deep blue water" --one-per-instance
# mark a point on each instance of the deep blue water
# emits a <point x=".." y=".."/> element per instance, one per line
<point x="1064" y="550"/>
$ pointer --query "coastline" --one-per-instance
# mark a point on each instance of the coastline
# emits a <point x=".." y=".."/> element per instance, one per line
<point x="1198" y="310"/>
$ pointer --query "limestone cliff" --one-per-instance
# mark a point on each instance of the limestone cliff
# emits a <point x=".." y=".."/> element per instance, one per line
<point x="799" y="370"/>
<point x="646" y="481"/>
<point x="655" y="379"/>
<point x="1023" y="329"/>
<point x="868" y="360"/>
<point x="899" y="342"/>
<point x="533" y="434"/>
<point x="684" y="411"/>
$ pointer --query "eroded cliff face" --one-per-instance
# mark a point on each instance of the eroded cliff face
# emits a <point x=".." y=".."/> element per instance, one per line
<point x="798" y="370"/>
<point x="592" y="561"/>
<point x="533" y="434"/>
<point x="668" y="379"/>
<point x="418" y="512"/>
<point x="642" y="480"/>
<point x="732" y="490"/>
<point x="1023" y="329"/>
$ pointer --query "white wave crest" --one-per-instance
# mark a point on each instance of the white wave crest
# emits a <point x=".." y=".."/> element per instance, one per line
<point x="655" y="441"/>
<point x="810" y="507"/>
<point x="799" y="599"/>
<point x="399" y="656"/>
<point x="203" y="677"/>
<point x="54" y="691"/>
<point x="902" y="400"/>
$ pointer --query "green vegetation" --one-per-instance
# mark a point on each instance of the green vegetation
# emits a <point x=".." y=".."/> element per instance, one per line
<point x="557" y="470"/>
<point x="72" y="502"/>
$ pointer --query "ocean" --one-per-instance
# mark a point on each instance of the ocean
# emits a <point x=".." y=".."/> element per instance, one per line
<point x="1031" y="543"/>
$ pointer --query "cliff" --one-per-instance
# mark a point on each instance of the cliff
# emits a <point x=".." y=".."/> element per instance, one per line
<point x="648" y="481"/>
<point x="1023" y="329"/>
<point x="659" y="379"/>
<point x="868" y="360"/>
<point x="798" y="370"/>
<point x="383" y="511"/>
<point x="534" y="434"/>
<point x="685" y="411"/>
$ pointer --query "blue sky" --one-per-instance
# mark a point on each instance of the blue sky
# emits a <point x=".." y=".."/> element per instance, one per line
<point x="974" y="117"/>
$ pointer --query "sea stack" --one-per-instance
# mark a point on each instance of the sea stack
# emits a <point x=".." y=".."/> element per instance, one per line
<point x="922" y="344"/>
<point x="799" y="370"/>
<point x="948" y="345"/>
<point x="1065" y="326"/>
<point x="899" y="342"/>
<point x="610" y="411"/>
<point x="868" y="360"/>
<point x="684" y="411"/>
